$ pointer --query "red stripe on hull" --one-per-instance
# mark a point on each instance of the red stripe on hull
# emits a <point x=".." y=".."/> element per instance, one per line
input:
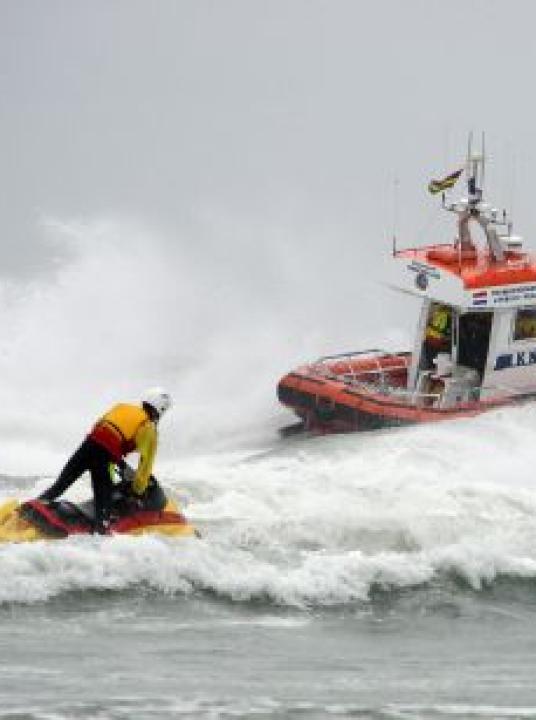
<point x="147" y="519"/>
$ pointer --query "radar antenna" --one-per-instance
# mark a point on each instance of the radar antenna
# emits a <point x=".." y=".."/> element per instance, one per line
<point x="473" y="208"/>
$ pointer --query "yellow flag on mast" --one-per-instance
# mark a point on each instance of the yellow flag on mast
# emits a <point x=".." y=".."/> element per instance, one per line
<point x="435" y="186"/>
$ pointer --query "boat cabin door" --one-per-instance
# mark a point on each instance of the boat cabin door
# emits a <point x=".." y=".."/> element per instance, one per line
<point x="462" y="336"/>
<point x="453" y="354"/>
<point x="474" y="330"/>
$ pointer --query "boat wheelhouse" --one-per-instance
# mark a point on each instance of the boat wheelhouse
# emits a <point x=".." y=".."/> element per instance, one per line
<point x="482" y="352"/>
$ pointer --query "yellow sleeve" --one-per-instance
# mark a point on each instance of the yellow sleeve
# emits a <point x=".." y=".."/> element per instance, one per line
<point x="146" y="444"/>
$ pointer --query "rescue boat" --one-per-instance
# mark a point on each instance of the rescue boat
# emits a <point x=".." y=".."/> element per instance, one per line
<point x="487" y="358"/>
<point x="37" y="520"/>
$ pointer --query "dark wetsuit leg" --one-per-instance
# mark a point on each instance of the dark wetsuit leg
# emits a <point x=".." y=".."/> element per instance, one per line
<point x="101" y="481"/>
<point x="76" y="466"/>
<point x="96" y="459"/>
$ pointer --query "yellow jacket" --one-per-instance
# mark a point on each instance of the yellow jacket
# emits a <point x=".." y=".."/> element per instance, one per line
<point x="439" y="326"/>
<point x="125" y="429"/>
<point x="146" y="440"/>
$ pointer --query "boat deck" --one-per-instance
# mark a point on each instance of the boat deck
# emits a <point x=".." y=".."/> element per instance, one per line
<point x="476" y="269"/>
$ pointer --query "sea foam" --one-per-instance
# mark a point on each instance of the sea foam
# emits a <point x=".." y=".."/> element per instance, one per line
<point x="321" y="522"/>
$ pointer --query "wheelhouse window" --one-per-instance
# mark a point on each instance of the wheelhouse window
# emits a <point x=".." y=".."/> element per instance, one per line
<point x="525" y="324"/>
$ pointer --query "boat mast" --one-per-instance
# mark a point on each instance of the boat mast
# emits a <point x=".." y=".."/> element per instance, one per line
<point x="474" y="209"/>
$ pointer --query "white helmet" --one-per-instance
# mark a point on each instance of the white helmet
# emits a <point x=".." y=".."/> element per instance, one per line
<point x="158" y="399"/>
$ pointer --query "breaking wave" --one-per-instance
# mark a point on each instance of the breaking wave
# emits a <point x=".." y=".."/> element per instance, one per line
<point x="322" y="522"/>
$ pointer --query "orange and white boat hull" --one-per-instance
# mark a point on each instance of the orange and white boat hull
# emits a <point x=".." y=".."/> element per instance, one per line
<point x="330" y="397"/>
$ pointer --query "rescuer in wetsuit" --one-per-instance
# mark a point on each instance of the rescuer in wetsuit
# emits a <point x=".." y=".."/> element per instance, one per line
<point x="122" y="430"/>
<point x="438" y="334"/>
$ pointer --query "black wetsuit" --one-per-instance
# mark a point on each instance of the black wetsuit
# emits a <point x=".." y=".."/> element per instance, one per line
<point x="94" y="458"/>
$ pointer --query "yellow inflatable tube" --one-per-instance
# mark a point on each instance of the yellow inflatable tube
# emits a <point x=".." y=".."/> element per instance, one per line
<point x="14" y="528"/>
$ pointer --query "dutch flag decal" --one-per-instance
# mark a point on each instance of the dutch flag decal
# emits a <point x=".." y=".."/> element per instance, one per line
<point x="480" y="297"/>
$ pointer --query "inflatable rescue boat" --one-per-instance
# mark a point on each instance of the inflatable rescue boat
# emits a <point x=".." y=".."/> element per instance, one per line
<point x="484" y="353"/>
<point x="37" y="520"/>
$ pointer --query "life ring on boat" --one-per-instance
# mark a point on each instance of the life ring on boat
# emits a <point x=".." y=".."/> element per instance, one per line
<point x="452" y="255"/>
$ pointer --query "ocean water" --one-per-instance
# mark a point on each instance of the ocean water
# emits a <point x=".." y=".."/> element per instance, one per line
<point x="383" y="575"/>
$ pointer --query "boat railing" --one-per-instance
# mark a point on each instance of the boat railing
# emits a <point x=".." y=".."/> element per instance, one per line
<point x="355" y="375"/>
<point x="378" y="378"/>
<point x="416" y="250"/>
<point x="340" y="357"/>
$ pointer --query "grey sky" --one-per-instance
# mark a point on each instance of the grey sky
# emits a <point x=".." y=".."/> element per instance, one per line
<point x="298" y="111"/>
